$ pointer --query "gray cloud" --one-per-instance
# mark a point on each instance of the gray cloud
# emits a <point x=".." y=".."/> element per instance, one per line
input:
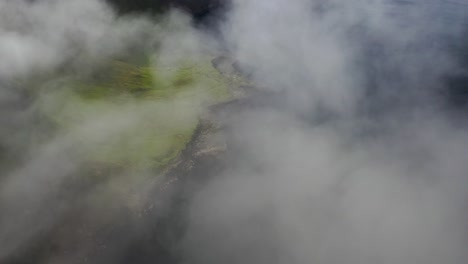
<point x="42" y="43"/>
<point x="364" y="166"/>
<point x="346" y="156"/>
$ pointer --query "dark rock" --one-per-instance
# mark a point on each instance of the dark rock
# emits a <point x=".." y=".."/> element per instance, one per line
<point x="195" y="7"/>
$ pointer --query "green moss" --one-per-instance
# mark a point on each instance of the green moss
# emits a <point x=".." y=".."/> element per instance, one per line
<point x="137" y="117"/>
<point x="143" y="147"/>
<point x="117" y="79"/>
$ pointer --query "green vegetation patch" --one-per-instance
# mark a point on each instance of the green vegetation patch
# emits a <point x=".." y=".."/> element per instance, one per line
<point x="135" y="117"/>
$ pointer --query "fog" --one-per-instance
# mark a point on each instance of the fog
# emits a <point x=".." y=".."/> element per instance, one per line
<point x="357" y="162"/>
<point x="348" y="152"/>
<point x="45" y="184"/>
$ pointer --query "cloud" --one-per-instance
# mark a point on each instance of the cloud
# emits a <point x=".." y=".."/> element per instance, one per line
<point x="343" y="154"/>
<point x="43" y="44"/>
<point x="355" y="161"/>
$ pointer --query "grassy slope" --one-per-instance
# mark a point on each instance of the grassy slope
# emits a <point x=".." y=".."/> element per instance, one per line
<point x="149" y="114"/>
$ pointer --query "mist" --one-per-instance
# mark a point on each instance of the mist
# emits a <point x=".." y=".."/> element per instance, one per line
<point x="46" y="187"/>
<point x="355" y="159"/>
<point x="348" y="148"/>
